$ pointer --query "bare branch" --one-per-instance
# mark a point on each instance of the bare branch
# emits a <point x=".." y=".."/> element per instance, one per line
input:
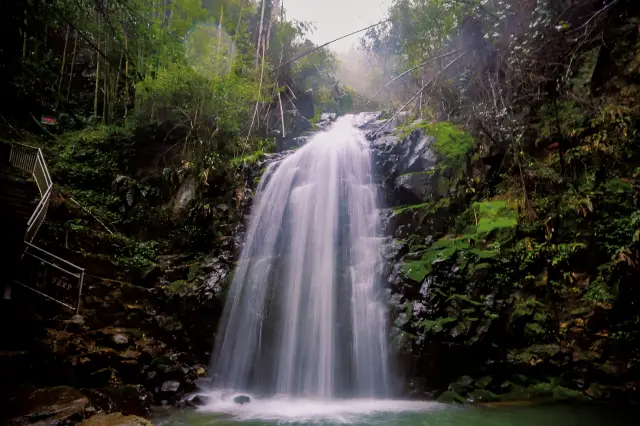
<point x="418" y="94"/>
<point x="410" y="70"/>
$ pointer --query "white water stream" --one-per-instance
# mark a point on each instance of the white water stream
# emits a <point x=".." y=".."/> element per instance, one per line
<point x="303" y="317"/>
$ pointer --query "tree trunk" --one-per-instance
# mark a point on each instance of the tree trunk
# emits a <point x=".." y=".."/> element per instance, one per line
<point x="73" y="63"/>
<point x="64" y="62"/>
<point x="97" y="88"/>
<point x="260" y="33"/>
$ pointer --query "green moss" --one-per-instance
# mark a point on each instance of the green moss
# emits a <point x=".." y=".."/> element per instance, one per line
<point x="442" y="249"/>
<point x="451" y="143"/>
<point x="252" y="158"/>
<point x="179" y="287"/>
<point x="484" y="382"/>
<point x="195" y="270"/>
<point x="493" y="219"/>
<point x="450" y="397"/>
<point x="483" y="395"/>
<point x="161" y="360"/>
<point x="493" y="226"/>
<point x="403" y="209"/>
<point x="436" y="325"/>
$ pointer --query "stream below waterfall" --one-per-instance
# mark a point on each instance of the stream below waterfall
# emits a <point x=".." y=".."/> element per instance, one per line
<point x="399" y="413"/>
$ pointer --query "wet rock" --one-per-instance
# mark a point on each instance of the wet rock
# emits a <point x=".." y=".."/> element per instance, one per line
<point x="483" y="395"/>
<point x="50" y="406"/>
<point x="413" y="187"/>
<point x="199" y="400"/>
<point x="120" y="339"/>
<point x="170" y="386"/>
<point x="462" y="384"/>
<point x="451" y="397"/>
<point x="242" y="399"/>
<point x="115" y="419"/>
<point x="129" y="399"/>
<point x="484" y="382"/>
<point x="415" y="153"/>
<point x="185" y="195"/>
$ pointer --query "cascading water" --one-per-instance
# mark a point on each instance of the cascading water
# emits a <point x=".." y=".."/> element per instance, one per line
<point x="302" y="316"/>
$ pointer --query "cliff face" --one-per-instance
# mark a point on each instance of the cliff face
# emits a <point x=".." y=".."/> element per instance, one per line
<point x="499" y="294"/>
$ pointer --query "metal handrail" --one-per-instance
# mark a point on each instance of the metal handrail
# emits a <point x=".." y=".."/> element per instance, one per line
<point x="31" y="160"/>
<point x="54" y="261"/>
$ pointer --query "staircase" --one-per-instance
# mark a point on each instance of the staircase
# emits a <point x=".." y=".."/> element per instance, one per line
<point x="25" y="192"/>
<point x="18" y="200"/>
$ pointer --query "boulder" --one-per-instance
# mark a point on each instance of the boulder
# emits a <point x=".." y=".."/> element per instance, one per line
<point x="185" y="195"/>
<point x="170" y="386"/>
<point x="115" y="419"/>
<point x="413" y="188"/>
<point x="199" y="400"/>
<point x="120" y="339"/>
<point x="50" y="406"/>
<point x="129" y="399"/>
<point x="242" y="399"/>
<point x="415" y="153"/>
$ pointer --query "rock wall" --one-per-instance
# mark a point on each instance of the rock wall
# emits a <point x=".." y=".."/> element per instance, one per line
<point x="487" y="304"/>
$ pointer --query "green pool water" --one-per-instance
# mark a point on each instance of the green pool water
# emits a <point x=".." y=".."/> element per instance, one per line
<point x="361" y="413"/>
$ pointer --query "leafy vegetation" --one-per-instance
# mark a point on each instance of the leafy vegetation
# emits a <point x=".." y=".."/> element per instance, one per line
<point x="528" y="274"/>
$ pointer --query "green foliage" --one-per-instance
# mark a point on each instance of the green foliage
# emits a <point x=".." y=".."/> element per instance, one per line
<point x="494" y="218"/>
<point x="91" y="157"/>
<point x="483" y="230"/>
<point x="452" y="143"/>
<point x="437" y="325"/>
<point x="179" y="287"/>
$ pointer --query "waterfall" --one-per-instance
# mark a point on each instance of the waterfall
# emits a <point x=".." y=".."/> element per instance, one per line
<point x="303" y="316"/>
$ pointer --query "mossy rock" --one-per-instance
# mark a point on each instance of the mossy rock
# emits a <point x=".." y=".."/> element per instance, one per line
<point x="461" y="385"/>
<point x="561" y="393"/>
<point x="179" y="287"/>
<point x="483" y="382"/>
<point x="161" y="360"/>
<point x="195" y="270"/>
<point x="450" y="397"/>
<point x="483" y="395"/>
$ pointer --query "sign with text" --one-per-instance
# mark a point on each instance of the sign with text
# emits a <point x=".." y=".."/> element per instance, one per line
<point x="49" y="280"/>
<point x="48" y="120"/>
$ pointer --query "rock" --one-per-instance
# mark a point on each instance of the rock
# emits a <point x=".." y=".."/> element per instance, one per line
<point x="130" y="399"/>
<point x="115" y="419"/>
<point x="414" y="187"/>
<point x="482" y="395"/>
<point x="199" y="400"/>
<point x="368" y="121"/>
<point x="170" y="386"/>
<point x="50" y="406"/>
<point x="415" y="153"/>
<point x="242" y="399"/>
<point x="120" y="339"/>
<point x="461" y="385"/>
<point x="185" y="195"/>
<point x="328" y="116"/>
<point x="77" y="319"/>
<point x="484" y="382"/>
<point x="595" y="391"/>
<point x="450" y="397"/>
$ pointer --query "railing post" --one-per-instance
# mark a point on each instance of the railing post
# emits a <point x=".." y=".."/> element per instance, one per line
<point x="31" y="159"/>
<point x="80" y="291"/>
